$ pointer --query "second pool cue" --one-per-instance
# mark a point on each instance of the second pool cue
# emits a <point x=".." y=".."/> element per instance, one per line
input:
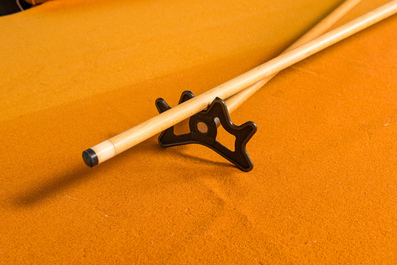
<point x="236" y="100"/>
<point x="123" y="141"/>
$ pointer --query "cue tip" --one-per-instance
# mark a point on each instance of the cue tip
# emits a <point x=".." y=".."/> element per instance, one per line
<point x="90" y="157"/>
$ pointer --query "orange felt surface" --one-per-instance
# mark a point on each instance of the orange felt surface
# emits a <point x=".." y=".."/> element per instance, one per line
<point x="74" y="73"/>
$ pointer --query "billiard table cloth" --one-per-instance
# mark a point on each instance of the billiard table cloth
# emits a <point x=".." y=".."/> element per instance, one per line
<point x="74" y="73"/>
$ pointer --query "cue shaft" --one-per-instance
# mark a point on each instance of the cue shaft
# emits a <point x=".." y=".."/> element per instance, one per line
<point x="125" y="140"/>
<point x="236" y="100"/>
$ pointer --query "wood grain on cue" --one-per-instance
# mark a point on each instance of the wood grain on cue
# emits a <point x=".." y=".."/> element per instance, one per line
<point x="155" y="125"/>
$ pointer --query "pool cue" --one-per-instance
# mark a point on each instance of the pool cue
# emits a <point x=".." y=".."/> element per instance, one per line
<point x="236" y="100"/>
<point x="125" y="140"/>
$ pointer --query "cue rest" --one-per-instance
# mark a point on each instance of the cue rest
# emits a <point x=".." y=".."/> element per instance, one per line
<point x="215" y="115"/>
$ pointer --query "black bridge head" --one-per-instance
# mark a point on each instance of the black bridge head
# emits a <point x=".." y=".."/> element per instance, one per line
<point x="203" y="130"/>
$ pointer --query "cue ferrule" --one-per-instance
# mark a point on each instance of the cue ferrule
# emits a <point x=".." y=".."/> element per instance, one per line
<point x="99" y="153"/>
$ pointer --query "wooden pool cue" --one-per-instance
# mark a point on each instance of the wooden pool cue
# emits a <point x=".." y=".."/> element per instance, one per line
<point x="121" y="142"/>
<point x="236" y="100"/>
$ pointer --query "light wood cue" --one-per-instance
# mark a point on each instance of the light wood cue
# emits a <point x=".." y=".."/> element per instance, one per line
<point x="236" y="100"/>
<point x="123" y="141"/>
